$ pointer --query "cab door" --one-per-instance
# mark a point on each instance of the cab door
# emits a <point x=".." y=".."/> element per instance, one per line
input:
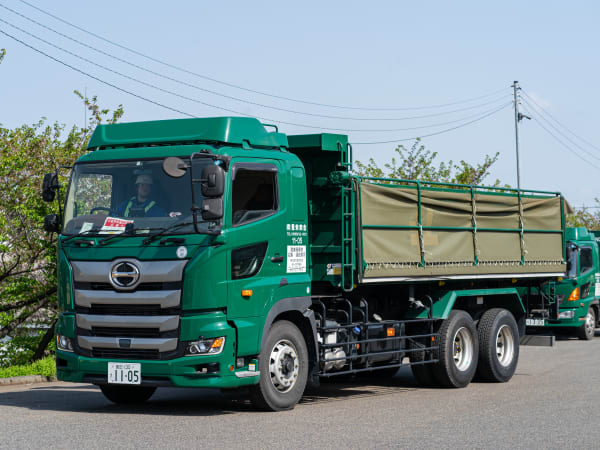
<point x="257" y="221"/>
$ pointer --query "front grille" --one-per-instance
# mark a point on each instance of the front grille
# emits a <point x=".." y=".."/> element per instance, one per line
<point x="115" y="353"/>
<point x="125" y="310"/>
<point x="150" y="286"/>
<point x="127" y="332"/>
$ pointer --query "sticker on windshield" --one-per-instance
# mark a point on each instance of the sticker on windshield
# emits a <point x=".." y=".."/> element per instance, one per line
<point x="296" y="258"/>
<point x="87" y="226"/>
<point x="113" y="225"/>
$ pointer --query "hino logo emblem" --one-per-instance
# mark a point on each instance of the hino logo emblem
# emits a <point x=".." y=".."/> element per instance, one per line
<point x="124" y="274"/>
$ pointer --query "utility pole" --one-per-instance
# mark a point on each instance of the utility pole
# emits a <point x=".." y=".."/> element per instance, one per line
<point x="516" y="88"/>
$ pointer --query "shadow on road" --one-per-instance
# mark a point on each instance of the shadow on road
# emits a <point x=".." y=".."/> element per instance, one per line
<point x="85" y="398"/>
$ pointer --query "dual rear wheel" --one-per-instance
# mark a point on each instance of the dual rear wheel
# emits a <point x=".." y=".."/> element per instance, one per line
<point x="490" y="350"/>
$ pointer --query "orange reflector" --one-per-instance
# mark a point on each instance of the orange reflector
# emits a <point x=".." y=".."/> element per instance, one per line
<point x="357" y="346"/>
<point x="247" y="293"/>
<point x="217" y="343"/>
<point x="231" y="368"/>
<point x="391" y="332"/>
<point x="574" y="295"/>
<point x="582" y="304"/>
<point x="432" y="338"/>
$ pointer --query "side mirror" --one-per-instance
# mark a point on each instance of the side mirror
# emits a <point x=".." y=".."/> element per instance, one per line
<point x="212" y="208"/>
<point x="51" y="223"/>
<point x="213" y="181"/>
<point x="49" y="187"/>
<point x="174" y="167"/>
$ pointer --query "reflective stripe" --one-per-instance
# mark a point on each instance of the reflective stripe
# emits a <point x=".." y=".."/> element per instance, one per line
<point x="130" y="204"/>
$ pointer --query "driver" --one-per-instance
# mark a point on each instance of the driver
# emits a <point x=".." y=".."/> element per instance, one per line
<point x="141" y="204"/>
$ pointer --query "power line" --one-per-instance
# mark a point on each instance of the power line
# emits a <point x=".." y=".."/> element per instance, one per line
<point x="550" y="124"/>
<point x="253" y="90"/>
<point x="175" y="80"/>
<point x="219" y="107"/>
<point x="437" y="132"/>
<point x="557" y="121"/>
<point x="561" y="142"/>
<point x="96" y="78"/>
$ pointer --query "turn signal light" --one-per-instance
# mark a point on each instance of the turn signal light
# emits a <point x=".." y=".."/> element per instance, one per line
<point x="218" y="343"/>
<point x="247" y="293"/>
<point x="574" y="295"/>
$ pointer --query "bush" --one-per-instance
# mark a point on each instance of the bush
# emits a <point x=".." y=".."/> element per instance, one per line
<point x="45" y="367"/>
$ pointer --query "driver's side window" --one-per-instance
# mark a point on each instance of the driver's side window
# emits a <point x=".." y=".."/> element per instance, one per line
<point x="254" y="194"/>
<point x="93" y="193"/>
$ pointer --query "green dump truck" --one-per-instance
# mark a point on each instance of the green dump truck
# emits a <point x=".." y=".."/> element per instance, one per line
<point x="574" y="300"/>
<point x="215" y="253"/>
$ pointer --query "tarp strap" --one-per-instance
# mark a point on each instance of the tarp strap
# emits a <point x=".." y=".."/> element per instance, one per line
<point x="521" y="227"/>
<point x="474" y="222"/>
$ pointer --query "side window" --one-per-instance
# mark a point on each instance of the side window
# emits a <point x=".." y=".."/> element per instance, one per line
<point x="254" y="195"/>
<point x="247" y="261"/>
<point x="586" y="261"/>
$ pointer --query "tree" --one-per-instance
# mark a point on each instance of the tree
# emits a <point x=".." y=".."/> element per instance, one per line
<point x="418" y="163"/>
<point x="583" y="217"/>
<point x="28" y="282"/>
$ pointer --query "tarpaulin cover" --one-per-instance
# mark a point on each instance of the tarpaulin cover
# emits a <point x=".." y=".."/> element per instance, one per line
<point x="485" y="233"/>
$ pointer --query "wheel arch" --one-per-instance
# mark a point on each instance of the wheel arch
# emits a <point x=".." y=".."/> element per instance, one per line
<point x="296" y="310"/>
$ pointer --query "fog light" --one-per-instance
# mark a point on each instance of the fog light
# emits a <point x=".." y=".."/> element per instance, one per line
<point x="239" y="362"/>
<point x="212" y="346"/>
<point x="566" y="314"/>
<point x="64" y="343"/>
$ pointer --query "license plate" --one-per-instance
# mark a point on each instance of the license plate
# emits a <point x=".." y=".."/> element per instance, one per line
<point x="124" y="373"/>
<point x="534" y="322"/>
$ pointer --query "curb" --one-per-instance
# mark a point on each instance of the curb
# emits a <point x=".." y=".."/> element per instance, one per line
<point x="26" y="379"/>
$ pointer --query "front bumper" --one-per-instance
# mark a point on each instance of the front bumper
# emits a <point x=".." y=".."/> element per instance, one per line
<point x="206" y="371"/>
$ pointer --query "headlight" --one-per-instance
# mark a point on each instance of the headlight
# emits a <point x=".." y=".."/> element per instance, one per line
<point x="64" y="343"/>
<point x="566" y="314"/>
<point x="212" y="346"/>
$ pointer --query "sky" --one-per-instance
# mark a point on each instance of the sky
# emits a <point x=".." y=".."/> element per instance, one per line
<point x="371" y="70"/>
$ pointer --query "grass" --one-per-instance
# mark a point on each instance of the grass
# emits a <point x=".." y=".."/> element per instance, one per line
<point x="44" y="366"/>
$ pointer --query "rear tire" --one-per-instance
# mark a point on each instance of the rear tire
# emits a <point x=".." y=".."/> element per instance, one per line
<point x="283" y="365"/>
<point x="126" y="394"/>
<point x="457" y="352"/>
<point x="587" y="331"/>
<point x="498" y="345"/>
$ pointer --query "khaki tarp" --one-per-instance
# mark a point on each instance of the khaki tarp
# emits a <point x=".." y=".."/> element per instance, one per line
<point x="390" y="252"/>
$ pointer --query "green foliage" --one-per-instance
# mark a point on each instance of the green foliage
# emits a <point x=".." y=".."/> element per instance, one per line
<point x="584" y="217"/>
<point x="418" y="163"/>
<point x="27" y="252"/>
<point x="45" y="367"/>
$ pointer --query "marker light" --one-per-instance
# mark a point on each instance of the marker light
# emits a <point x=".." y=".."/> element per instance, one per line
<point x="574" y="295"/>
<point x="212" y="346"/>
<point x="247" y="293"/>
<point x="391" y="332"/>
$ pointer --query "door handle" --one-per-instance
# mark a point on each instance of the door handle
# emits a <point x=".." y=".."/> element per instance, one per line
<point x="276" y="259"/>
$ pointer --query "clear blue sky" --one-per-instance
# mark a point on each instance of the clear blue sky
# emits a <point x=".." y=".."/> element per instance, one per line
<point x="364" y="54"/>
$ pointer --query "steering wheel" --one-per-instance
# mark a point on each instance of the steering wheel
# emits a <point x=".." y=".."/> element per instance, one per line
<point x="100" y="208"/>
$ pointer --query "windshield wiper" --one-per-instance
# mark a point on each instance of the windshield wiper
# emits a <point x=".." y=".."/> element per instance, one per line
<point x="165" y="230"/>
<point x="84" y="234"/>
<point x="129" y="231"/>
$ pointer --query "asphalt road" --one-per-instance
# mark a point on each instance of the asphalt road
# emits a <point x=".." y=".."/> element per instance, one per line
<point x="553" y="401"/>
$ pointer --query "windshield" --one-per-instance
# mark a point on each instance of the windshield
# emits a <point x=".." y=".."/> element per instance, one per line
<point x="106" y="197"/>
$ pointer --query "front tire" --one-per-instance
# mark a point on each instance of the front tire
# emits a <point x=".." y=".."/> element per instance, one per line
<point x="498" y="345"/>
<point x="587" y="331"/>
<point x="126" y="394"/>
<point x="283" y="366"/>
<point x="457" y="352"/>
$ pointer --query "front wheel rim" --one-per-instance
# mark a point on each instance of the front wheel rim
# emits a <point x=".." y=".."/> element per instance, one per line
<point x="284" y="366"/>
<point x="505" y="345"/>
<point x="589" y="324"/>
<point x="463" y="349"/>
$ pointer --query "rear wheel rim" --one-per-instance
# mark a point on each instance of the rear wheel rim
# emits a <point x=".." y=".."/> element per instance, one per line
<point x="463" y="349"/>
<point x="284" y="366"/>
<point x="505" y="345"/>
